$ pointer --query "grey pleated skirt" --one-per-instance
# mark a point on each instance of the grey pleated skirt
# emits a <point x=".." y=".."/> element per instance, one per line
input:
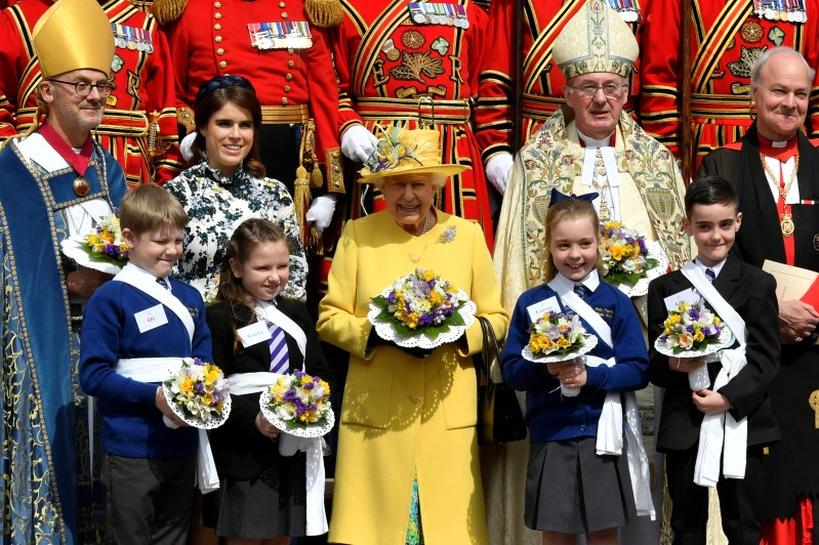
<point x="270" y="506"/>
<point x="570" y="489"/>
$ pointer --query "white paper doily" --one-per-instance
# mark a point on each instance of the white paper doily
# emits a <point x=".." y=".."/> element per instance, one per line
<point x="655" y="251"/>
<point x="311" y="430"/>
<point x="726" y="339"/>
<point x="210" y="424"/>
<point x="386" y="330"/>
<point x="589" y="342"/>
<point x="74" y="249"/>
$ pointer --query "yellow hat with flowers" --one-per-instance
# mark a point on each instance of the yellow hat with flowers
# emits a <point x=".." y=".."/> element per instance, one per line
<point x="596" y="39"/>
<point x="74" y="35"/>
<point x="407" y="151"/>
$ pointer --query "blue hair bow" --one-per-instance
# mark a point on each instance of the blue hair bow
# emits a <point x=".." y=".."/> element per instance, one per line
<point x="557" y="197"/>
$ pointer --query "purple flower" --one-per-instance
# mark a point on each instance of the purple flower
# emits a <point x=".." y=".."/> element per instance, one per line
<point x="198" y="361"/>
<point x="694" y="312"/>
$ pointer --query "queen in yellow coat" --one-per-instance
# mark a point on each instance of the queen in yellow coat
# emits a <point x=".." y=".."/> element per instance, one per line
<point x="407" y="446"/>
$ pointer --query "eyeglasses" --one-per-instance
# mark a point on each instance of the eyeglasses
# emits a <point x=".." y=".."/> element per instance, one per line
<point x="83" y="88"/>
<point x="611" y="90"/>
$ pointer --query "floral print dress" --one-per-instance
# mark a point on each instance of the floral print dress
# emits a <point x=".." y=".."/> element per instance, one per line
<point x="216" y="204"/>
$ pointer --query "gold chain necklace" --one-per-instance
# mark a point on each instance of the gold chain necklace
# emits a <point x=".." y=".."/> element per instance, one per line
<point x="786" y="224"/>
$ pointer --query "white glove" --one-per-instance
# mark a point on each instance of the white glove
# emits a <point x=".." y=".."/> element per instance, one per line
<point x="321" y="211"/>
<point x="357" y="143"/>
<point x="497" y="170"/>
<point x="186" y="146"/>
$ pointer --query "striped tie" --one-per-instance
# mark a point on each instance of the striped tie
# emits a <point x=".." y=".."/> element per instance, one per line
<point x="711" y="275"/>
<point x="581" y="290"/>
<point x="279" y="359"/>
<point x="162" y="282"/>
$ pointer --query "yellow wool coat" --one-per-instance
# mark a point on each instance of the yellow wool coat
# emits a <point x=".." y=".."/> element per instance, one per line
<point x="404" y="416"/>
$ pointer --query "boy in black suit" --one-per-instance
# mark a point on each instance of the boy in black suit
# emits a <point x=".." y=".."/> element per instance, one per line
<point x="713" y="219"/>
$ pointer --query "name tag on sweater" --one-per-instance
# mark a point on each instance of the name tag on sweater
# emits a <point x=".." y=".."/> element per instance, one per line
<point x="689" y="296"/>
<point x="253" y="334"/>
<point x="150" y="318"/>
<point x="539" y="309"/>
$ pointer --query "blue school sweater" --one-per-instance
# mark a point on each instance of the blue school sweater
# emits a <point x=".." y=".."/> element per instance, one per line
<point x="549" y="415"/>
<point x="131" y="425"/>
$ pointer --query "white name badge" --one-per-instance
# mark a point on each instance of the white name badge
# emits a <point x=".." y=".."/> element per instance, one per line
<point x="539" y="309"/>
<point x="253" y="334"/>
<point x="150" y="318"/>
<point x="689" y="296"/>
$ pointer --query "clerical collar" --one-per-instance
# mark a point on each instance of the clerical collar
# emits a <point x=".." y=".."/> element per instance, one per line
<point x="589" y="142"/>
<point x="776" y="149"/>
<point x="78" y="161"/>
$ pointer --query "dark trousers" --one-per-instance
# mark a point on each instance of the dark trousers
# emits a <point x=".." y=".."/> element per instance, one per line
<point x="738" y="500"/>
<point x="148" y="500"/>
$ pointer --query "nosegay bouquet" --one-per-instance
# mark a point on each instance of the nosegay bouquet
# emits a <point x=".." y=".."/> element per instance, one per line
<point x="691" y="327"/>
<point x="421" y="309"/>
<point x="298" y="404"/>
<point x="691" y="331"/>
<point x="556" y="334"/>
<point x="627" y="258"/>
<point x="198" y="394"/>
<point x="102" y="249"/>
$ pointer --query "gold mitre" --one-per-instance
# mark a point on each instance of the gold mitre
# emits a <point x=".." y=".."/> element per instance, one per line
<point x="74" y="35"/>
<point x="596" y="39"/>
<point x="407" y="151"/>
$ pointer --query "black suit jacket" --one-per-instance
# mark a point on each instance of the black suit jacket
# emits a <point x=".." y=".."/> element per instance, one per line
<point x="751" y="292"/>
<point x="760" y="237"/>
<point x="240" y="451"/>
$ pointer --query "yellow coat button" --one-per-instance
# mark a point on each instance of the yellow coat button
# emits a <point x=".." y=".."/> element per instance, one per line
<point x="217" y="15"/>
<point x="220" y="51"/>
<point x="284" y="101"/>
<point x="222" y="64"/>
<point x="218" y="39"/>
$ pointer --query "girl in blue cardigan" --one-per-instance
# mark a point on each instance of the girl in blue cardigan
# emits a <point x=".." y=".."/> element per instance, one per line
<point x="571" y="488"/>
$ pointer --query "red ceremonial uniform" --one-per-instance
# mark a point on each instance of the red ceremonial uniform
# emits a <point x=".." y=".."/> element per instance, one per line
<point x="726" y="39"/>
<point x="212" y="38"/>
<point x="142" y="75"/>
<point x="386" y="63"/>
<point x="543" y="81"/>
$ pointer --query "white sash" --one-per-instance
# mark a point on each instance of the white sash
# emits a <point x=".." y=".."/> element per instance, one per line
<point x="720" y="434"/>
<point x="158" y="370"/>
<point x="146" y="283"/>
<point x="269" y="312"/>
<point x="251" y="383"/>
<point x="610" y="424"/>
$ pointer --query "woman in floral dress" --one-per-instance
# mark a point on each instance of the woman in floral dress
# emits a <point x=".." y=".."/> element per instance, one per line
<point x="228" y="185"/>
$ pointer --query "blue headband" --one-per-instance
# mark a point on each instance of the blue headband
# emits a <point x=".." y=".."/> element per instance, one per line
<point x="220" y="82"/>
<point x="557" y="197"/>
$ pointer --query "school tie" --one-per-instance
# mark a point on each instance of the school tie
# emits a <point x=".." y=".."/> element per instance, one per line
<point x="162" y="282"/>
<point x="581" y="291"/>
<point x="279" y="359"/>
<point x="711" y="275"/>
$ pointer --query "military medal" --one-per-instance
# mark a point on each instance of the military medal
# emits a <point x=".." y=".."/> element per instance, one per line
<point x="80" y="186"/>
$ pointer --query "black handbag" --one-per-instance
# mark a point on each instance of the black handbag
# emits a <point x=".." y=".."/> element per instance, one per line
<point x="500" y="419"/>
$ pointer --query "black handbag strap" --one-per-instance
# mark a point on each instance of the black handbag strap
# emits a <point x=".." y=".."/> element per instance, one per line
<point x="491" y="351"/>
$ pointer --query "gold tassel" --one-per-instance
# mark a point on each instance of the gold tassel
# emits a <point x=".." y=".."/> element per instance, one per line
<point x="301" y="201"/>
<point x="324" y="13"/>
<point x="308" y="155"/>
<point x="168" y="11"/>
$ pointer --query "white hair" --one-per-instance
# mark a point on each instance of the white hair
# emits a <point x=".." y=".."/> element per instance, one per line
<point x="763" y="59"/>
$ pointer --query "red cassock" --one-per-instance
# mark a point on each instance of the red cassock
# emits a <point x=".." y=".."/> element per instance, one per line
<point x="144" y="86"/>
<point x="727" y="36"/>
<point x="386" y="62"/>
<point x="542" y="79"/>
<point x="213" y="38"/>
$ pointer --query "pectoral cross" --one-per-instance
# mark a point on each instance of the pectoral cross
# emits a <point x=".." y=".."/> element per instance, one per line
<point x="813" y="401"/>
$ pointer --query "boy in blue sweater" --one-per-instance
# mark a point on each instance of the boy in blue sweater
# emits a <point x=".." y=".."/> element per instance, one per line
<point x="135" y="331"/>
